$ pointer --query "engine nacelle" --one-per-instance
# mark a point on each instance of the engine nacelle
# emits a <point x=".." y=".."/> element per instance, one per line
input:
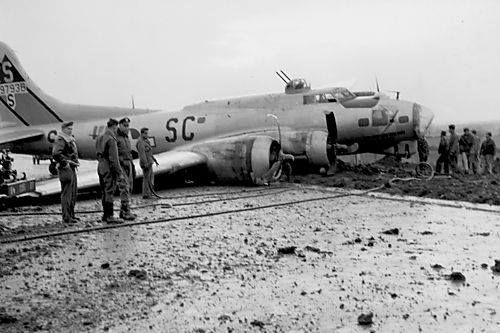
<point x="317" y="148"/>
<point x="242" y="159"/>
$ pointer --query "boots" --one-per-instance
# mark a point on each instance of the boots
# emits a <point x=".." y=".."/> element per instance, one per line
<point x="108" y="214"/>
<point x="126" y="214"/>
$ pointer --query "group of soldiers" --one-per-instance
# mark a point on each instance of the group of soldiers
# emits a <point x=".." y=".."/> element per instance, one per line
<point x="466" y="151"/>
<point x="115" y="169"/>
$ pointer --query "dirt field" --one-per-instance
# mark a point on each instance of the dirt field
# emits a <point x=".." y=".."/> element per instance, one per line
<point x="302" y="266"/>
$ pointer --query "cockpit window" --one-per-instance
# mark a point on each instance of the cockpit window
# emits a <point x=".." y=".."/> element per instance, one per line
<point x="332" y="96"/>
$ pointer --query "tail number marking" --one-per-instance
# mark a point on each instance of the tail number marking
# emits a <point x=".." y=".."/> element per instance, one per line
<point x="171" y="126"/>
<point x="13" y="88"/>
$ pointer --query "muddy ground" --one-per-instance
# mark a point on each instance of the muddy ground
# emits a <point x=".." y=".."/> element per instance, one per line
<point x="459" y="186"/>
<point x="308" y="266"/>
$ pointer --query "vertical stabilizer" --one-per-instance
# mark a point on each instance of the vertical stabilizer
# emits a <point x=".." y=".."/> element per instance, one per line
<point x="21" y="100"/>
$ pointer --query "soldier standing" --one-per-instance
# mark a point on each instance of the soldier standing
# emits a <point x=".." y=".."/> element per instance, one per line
<point x="108" y="169"/>
<point x="443" y="154"/>
<point x="146" y="160"/>
<point x="453" y="149"/>
<point x="65" y="153"/>
<point x="474" y="152"/>
<point x="465" y="145"/>
<point x="488" y="149"/>
<point x="423" y="149"/>
<point x="125" y="183"/>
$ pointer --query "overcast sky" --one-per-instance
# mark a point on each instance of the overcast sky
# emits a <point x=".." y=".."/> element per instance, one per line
<point x="442" y="54"/>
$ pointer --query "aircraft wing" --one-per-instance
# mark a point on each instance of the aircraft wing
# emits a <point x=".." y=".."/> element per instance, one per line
<point x="17" y="134"/>
<point x="170" y="162"/>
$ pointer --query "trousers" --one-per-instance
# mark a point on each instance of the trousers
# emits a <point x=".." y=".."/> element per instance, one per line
<point x="148" y="181"/>
<point x="67" y="178"/>
<point x="125" y="185"/>
<point x="443" y="159"/>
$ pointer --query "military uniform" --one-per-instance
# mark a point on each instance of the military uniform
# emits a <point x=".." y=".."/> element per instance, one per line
<point x="488" y="149"/>
<point x="65" y="153"/>
<point x="125" y="183"/>
<point x="465" y="145"/>
<point x="108" y="169"/>
<point x="453" y="152"/>
<point x="423" y="149"/>
<point x="474" y="154"/>
<point x="443" y="151"/>
<point x="146" y="160"/>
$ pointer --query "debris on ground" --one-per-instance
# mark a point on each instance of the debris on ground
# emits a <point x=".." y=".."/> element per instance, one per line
<point x="287" y="250"/>
<point x="437" y="267"/>
<point x="7" y="319"/>
<point x="138" y="274"/>
<point x="312" y="249"/>
<point x="394" y="231"/>
<point x="365" y="319"/>
<point x="257" y="323"/>
<point x="456" y="276"/>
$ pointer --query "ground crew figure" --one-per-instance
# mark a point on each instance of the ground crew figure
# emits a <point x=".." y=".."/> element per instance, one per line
<point x="125" y="183"/>
<point x="423" y="149"/>
<point x="146" y="160"/>
<point x="474" y="153"/>
<point x="108" y="169"/>
<point x="453" y="149"/>
<point x="488" y="149"/>
<point x="443" y="151"/>
<point x="465" y="144"/>
<point x="65" y="153"/>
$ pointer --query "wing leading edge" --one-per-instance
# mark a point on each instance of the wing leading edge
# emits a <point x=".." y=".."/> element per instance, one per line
<point x="170" y="162"/>
<point x="16" y="134"/>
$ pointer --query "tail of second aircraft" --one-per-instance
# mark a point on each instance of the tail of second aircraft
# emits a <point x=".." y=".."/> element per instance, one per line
<point x="21" y="100"/>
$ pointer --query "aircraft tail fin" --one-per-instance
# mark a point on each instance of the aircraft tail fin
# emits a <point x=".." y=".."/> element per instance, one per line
<point x="21" y="100"/>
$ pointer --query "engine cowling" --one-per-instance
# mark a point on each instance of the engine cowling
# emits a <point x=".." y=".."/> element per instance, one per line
<point x="240" y="160"/>
<point x="317" y="148"/>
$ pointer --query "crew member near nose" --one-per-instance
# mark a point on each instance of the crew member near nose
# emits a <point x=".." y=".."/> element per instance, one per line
<point x="146" y="160"/>
<point x="125" y="155"/>
<point x="108" y="169"/>
<point x="65" y="154"/>
<point x="453" y="149"/>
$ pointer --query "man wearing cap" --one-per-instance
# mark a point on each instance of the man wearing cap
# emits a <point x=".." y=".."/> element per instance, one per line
<point x="65" y="154"/>
<point x="146" y="160"/>
<point x="125" y="183"/>
<point x="108" y="169"/>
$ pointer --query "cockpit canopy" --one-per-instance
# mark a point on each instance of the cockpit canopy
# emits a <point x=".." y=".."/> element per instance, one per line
<point x="329" y="96"/>
<point x="296" y="86"/>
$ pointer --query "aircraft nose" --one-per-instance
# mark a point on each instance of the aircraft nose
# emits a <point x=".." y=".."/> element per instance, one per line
<point x="423" y="117"/>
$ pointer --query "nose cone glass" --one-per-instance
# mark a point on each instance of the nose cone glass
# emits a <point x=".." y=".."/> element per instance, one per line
<point x="426" y="117"/>
<point x="422" y="117"/>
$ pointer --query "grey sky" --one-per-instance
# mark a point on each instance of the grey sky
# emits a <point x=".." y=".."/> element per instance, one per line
<point x="443" y="54"/>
